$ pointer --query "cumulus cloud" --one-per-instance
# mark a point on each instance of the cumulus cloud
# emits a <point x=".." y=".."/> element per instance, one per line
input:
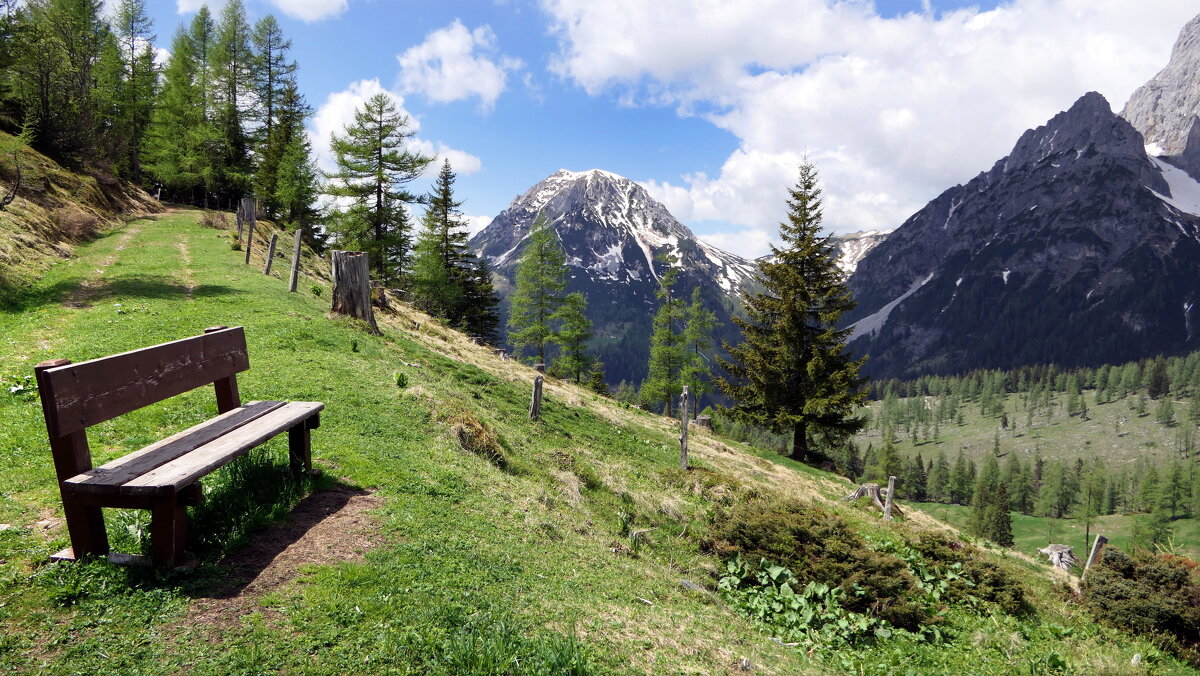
<point x="893" y="111"/>
<point x="338" y="111"/>
<point x="455" y="64"/>
<point x="310" y="10"/>
<point x="476" y="223"/>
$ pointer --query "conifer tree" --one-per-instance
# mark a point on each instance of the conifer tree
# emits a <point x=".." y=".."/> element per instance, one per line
<point x="373" y="167"/>
<point x="999" y="527"/>
<point x="174" y="155"/>
<point x="938" y="485"/>
<point x="668" y="353"/>
<point x="233" y="71"/>
<point x="540" y="280"/>
<point x="273" y="74"/>
<point x="1159" y="383"/>
<point x="573" y="333"/>
<point x="441" y="272"/>
<point x="595" y="379"/>
<point x="481" y="317"/>
<point x="791" y="372"/>
<point x="297" y="183"/>
<point x="698" y="326"/>
<point x="134" y="29"/>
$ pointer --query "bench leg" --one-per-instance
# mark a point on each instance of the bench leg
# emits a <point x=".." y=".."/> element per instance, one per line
<point x="168" y="530"/>
<point x="85" y="524"/>
<point x="300" y="447"/>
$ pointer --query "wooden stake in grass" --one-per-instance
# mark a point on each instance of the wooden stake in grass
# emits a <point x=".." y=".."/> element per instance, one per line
<point x="887" y="506"/>
<point x="1097" y="545"/>
<point x="352" y="286"/>
<point x="270" y="253"/>
<point x="535" y="406"/>
<point x="248" y="212"/>
<point x="684" y="415"/>
<point x="295" y="262"/>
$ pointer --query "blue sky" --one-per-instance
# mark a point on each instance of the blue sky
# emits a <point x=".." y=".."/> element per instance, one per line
<point x="710" y="105"/>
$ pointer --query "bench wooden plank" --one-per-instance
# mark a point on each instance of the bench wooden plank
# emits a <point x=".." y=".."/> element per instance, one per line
<point x="91" y="392"/>
<point x="110" y="476"/>
<point x="188" y="468"/>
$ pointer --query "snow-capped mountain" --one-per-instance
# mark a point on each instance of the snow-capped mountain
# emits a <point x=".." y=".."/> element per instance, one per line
<point x="852" y="247"/>
<point x="1164" y="108"/>
<point x="612" y="230"/>
<point x="1077" y="249"/>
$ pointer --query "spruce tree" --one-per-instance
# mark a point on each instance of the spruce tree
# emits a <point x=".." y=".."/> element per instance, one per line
<point x="481" y="317"/>
<point x="373" y="167"/>
<point x="441" y="272"/>
<point x="233" y="71"/>
<point x="999" y="528"/>
<point x="668" y="353"/>
<point x="1159" y="383"/>
<point x="540" y="280"/>
<point x="698" y="326"/>
<point x="595" y="379"/>
<point x="791" y="372"/>
<point x="573" y="333"/>
<point x="275" y="88"/>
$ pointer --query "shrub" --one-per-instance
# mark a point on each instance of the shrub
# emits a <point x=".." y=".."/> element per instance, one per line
<point x="1148" y="594"/>
<point x="214" y="219"/>
<point x="820" y="547"/>
<point x="477" y="438"/>
<point x="979" y="577"/>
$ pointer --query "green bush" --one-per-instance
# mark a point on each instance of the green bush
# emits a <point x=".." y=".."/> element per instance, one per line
<point x="1151" y="595"/>
<point x="820" y="547"/>
<point x="978" y="577"/>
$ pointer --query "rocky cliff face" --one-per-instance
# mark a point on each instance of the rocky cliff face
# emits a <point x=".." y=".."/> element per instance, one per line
<point x="852" y="248"/>
<point x="1163" y="108"/>
<point x="1077" y="248"/>
<point x="612" y="231"/>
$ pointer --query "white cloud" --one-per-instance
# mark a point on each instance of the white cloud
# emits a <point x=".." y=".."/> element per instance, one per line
<point x="311" y="10"/>
<point x="338" y="111"/>
<point x="893" y="111"/>
<point x="187" y="6"/>
<point x="454" y="64"/>
<point x="476" y="223"/>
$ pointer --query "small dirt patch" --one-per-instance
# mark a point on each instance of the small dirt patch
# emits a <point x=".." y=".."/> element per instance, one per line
<point x="326" y="527"/>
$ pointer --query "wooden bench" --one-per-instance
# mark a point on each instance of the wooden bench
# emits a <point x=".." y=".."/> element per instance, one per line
<point x="162" y="477"/>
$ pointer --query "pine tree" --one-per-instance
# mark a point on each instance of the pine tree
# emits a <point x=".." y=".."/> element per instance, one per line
<point x="134" y="30"/>
<point x="698" y="326"/>
<point x="481" y="317"/>
<point x="595" y="378"/>
<point x="233" y="71"/>
<point x="791" y="372"/>
<point x="173" y="154"/>
<point x="939" y="479"/>
<point x="574" y="331"/>
<point x="373" y="167"/>
<point x="540" y="280"/>
<point x="999" y="528"/>
<point x="297" y="181"/>
<point x="275" y="88"/>
<point x="668" y="353"/>
<point x="1159" y="384"/>
<point x="441" y="268"/>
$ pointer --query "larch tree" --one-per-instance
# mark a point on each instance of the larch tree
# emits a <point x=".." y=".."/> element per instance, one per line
<point x="374" y="166"/>
<point x="668" y="353"/>
<point x="573" y="333"/>
<point x="233" y="74"/>
<point x="279" y="104"/>
<point x="134" y="30"/>
<point x="698" y="326"/>
<point x="791" y="373"/>
<point x="540" y="281"/>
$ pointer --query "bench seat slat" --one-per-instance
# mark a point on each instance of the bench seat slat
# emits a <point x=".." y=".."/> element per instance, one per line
<point x="189" y="467"/>
<point x="107" y="477"/>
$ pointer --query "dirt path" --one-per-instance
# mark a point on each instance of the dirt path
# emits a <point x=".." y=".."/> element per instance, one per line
<point x="189" y="277"/>
<point x="327" y="527"/>
<point x="89" y="289"/>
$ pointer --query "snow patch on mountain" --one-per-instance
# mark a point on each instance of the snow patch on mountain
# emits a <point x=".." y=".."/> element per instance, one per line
<point x="873" y="322"/>
<point x="1185" y="191"/>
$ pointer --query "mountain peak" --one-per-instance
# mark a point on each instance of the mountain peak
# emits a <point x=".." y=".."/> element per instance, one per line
<point x="1163" y="108"/>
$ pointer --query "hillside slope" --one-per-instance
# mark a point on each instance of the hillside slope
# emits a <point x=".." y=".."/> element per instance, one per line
<point x="518" y="558"/>
<point x="55" y="209"/>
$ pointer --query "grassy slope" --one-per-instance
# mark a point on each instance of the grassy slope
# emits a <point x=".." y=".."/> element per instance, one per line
<point x="474" y="558"/>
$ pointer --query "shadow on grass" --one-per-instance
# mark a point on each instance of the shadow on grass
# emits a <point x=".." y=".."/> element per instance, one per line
<point x="14" y="300"/>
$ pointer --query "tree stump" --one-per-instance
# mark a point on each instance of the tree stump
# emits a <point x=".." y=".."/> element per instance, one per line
<point x="295" y="262"/>
<point x="352" y="286"/>
<point x="270" y="253"/>
<point x="684" y="415"/>
<point x="1060" y="556"/>
<point x="888" y="506"/>
<point x="704" y="421"/>
<point x="535" y="406"/>
<point x="873" y="491"/>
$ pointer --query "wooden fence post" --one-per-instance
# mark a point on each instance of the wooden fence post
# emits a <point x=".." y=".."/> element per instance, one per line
<point x="540" y="368"/>
<point x="352" y="286"/>
<point x="295" y="262"/>
<point x="1097" y="545"/>
<point x="251" y="218"/>
<point x="535" y="406"/>
<point x="887" y="505"/>
<point x="270" y="253"/>
<point x="684" y="415"/>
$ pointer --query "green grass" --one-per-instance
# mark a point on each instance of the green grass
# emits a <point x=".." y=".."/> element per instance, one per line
<point x="480" y="569"/>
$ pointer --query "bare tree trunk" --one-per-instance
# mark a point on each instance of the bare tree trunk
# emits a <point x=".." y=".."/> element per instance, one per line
<point x="352" y="287"/>
<point x="800" y="442"/>
<point x="684" y="419"/>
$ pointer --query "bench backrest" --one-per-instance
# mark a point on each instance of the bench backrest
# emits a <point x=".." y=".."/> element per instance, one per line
<point x="77" y="396"/>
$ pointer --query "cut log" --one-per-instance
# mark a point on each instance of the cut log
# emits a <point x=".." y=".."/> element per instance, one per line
<point x="352" y="286"/>
<point x="1060" y="556"/>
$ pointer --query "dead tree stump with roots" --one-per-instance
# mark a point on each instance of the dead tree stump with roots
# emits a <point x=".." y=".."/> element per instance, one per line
<point x="1060" y="556"/>
<point x="873" y="491"/>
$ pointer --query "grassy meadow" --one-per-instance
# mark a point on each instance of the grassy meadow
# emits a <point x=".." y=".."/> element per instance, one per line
<point x="521" y="557"/>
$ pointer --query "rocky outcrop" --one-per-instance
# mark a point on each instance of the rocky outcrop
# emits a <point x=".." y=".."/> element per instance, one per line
<point x="1163" y="108"/>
